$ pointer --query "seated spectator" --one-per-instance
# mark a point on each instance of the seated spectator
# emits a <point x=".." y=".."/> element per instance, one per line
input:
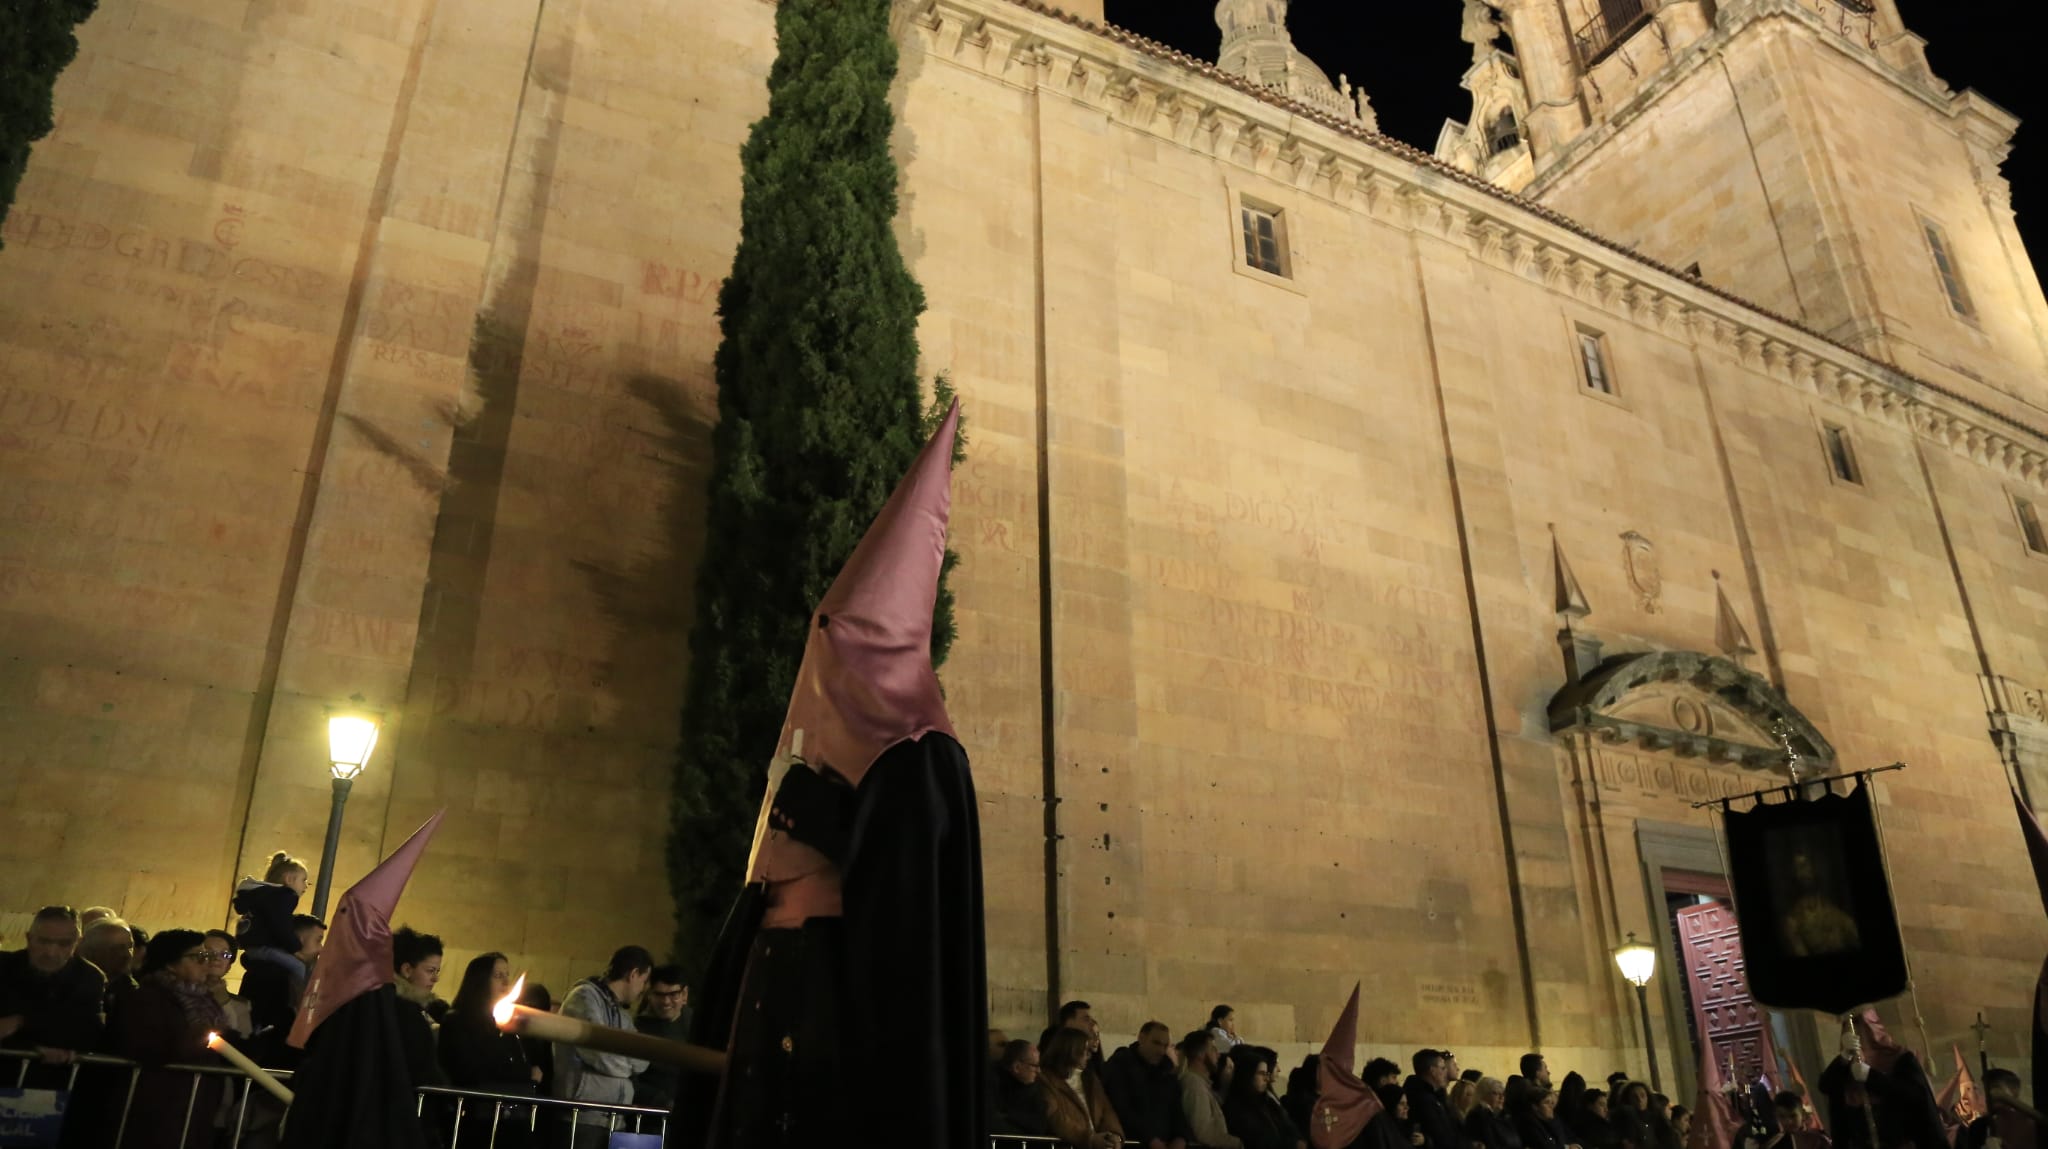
<point x="2005" y="1117"/>
<point x="1488" y="1123"/>
<point x="1538" y="1123"/>
<point x="1534" y="1074"/>
<point x="540" y="1053"/>
<point x="664" y="1012"/>
<point x="1393" y="1127"/>
<point x="109" y="945"/>
<point x="1200" y="1063"/>
<point x="1462" y="1098"/>
<point x="267" y="907"/>
<point x="1681" y="1123"/>
<point x="1076" y="1107"/>
<point x="1571" y="1098"/>
<point x="1144" y="1089"/>
<point x="51" y="1000"/>
<point x="606" y="1078"/>
<point x="1629" y="1110"/>
<point x="91" y="914"/>
<point x="220" y="958"/>
<point x="1429" y="1101"/>
<point x="1018" y="1110"/>
<point x="165" y="1022"/>
<point x="1254" y="1115"/>
<point x="1223" y="1028"/>
<point x="1302" y="1090"/>
<point x="1796" y="1130"/>
<point x="1591" y="1124"/>
<point x="416" y="958"/>
<point x="476" y="1054"/>
<point x="1380" y="1071"/>
<point x="268" y="985"/>
<point x="1658" y="1118"/>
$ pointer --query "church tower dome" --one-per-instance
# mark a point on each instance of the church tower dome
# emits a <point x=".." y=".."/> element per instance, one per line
<point x="1257" y="47"/>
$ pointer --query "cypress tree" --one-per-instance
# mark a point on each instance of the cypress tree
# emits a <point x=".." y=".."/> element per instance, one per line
<point x="36" y="43"/>
<point x="820" y="413"/>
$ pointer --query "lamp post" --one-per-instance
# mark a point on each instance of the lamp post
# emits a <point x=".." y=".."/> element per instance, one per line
<point x="351" y="737"/>
<point x="1638" y="962"/>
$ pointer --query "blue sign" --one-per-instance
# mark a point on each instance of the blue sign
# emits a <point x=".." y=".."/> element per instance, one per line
<point x="31" y="1118"/>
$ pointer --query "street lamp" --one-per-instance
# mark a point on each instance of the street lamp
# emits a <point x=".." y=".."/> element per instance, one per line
<point x="1638" y="962"/>
<point x="351" y="738"/>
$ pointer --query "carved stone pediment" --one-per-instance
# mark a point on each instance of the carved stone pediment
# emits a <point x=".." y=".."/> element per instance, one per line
<point x="1690" y="705"/>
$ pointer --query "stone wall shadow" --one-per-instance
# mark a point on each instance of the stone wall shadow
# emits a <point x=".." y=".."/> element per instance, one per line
<point x="651" y="602"/>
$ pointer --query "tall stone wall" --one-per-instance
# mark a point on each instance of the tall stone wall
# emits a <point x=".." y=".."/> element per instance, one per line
<point x="1256" y="607"/>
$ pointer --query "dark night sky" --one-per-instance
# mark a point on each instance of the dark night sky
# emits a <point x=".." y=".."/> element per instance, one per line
<point x="1407" y="56"/>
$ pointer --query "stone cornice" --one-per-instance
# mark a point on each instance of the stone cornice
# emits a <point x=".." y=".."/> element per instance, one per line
<point x="1148" y="87"/>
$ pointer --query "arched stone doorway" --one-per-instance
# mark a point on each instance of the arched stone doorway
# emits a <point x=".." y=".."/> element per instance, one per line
<point x="1641" y="739"/>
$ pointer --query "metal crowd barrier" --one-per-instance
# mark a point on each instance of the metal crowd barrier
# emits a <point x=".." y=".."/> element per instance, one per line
<point x="507" y="1111"/>
<point x="463" y="1108"/>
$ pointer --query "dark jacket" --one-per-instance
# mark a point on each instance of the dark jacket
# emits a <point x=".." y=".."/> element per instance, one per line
<point x="1259" y="1122"/>
<point x="1431" y="1113"/>
<point x="475" y="1054"/>
<point x="266" y="910"/>
<point x="1595" y="1132"/>
<point x="60" y="1010"/>
<point x="1019" y="1110"/>
<point x="1901" y="1104"/>
<point x="1493" y="1130"/>
<point x="1146" y="1097"/>
<point x="1540" y="1133"/>
<point x="154" y="1030"/>
<point x="655" y="1086"/>
<point x="416" y="1034"/>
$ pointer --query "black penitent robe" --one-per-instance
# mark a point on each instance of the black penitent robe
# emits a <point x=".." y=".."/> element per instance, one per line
<point x="354" y="1089"/>
<point x="899" y="981"/>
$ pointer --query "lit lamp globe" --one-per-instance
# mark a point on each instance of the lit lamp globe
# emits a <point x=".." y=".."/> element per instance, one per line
<point x="1637" y="961"/>
<point x="351" y="739"/>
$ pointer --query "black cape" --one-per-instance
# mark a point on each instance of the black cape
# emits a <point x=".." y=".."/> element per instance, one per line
<point x="900" y="980"/>
<point x="354" y="1089"/>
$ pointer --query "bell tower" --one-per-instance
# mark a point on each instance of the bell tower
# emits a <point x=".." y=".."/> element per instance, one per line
<point x="1258" y="47"/>
<point x="1799" y="153"/>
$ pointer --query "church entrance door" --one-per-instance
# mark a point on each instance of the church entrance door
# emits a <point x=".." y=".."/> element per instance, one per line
<point x="1731" y="1024"/>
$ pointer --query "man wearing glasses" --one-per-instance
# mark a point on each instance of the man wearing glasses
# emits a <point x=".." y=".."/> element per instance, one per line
<point x="50" y="999"/>
<point x="664" y="1012"/>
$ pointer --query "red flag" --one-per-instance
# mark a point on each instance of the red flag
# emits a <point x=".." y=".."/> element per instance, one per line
<point x="1344" y="1104"/>
<point x="1713" y="1125"/>
<point x="1960" y="1098"/>
<point x="1809" y="1117"/>
<point x="357" y="957"/>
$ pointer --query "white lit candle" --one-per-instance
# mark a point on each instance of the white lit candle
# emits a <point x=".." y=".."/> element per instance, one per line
<point x="529" y="1022"/>
<point x="257" y="1073"/>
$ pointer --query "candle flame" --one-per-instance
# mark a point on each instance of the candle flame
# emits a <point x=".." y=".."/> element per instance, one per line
<point x="502" y="1012"/>
<point x="212" y="1040"/>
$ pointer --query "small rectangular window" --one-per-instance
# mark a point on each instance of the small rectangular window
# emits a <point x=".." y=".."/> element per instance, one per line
<point x="1265" y="239"/>
<point x="1841" y="454"/>
<point x="2030" y="525"/>
<point x="1946" y="269"/>
<point x="1594" y="372"/>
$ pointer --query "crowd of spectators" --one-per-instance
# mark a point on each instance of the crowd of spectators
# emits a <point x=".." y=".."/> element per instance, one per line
<point x="87" y="982"/>
<point x="1215" y="1089"/>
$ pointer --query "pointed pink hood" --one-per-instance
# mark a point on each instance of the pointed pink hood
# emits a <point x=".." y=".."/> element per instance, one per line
<point x="357" y="957"/>
<point x="867" y="681"/>
<point x="1344" y="1104"/>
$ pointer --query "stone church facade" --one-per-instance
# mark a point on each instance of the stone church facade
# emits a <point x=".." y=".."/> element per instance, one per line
<point x="1369" y="557"/>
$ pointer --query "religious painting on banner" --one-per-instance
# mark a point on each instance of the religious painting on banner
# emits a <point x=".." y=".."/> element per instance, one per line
<point x="1819" y="930"/>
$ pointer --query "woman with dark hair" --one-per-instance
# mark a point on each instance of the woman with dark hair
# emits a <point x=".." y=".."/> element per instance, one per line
<point x="477" y="1055"/>
<point x="1663" y="1135"/>
<point x="1302" y="1090"/>
<point x="416" y="959"/>
<point x="1630" y="1114"/>
<point x="1594" y="1127"/>
<point x="1571" y="1098"/>
<point x="165" y="1021"/>
<point x="1392" y="1128"/>
<point x="1076" y="1107"/>
<point x="1019" y="1110"/>
<point x="1538" y="1123"/>
<point x="1254" y="1116"/>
